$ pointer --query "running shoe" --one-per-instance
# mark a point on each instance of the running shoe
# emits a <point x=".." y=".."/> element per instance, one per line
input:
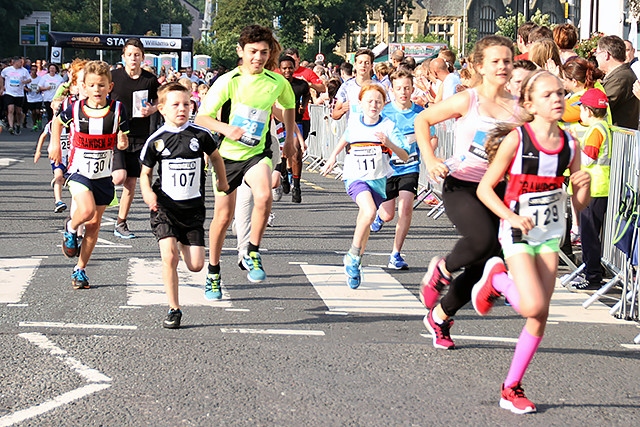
<point x="271" y="220"/>
<point x="212" y="288"/>
<point x="296" y="195"/>
<point x="353" y="269"/>
<point x="12" y="130"/>
<point x="433" y="283"/>
<point x="253" y="263"/>
<point x="60" y="207"/>
<point x="483" y="294"/>
<point x="439" y="332"/>
<point x="513" y="399"/>
<point x="277" y="193"/>
<point x="79" y="279"/>
<point x="396" y="262"/>
<point x="173" y="319"/>
<point x="575" y="239"/>
<point x="285" y="184"/>
<point x="70" y="247"/>
<point x="122" y="230"/>
<point x="18" y="130"/>
<point x="377" y="224"/>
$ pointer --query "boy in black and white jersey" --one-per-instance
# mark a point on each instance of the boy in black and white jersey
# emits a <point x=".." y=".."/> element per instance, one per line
<point x="176" y="198"/>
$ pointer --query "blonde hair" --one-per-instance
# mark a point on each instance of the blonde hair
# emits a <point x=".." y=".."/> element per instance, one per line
<point x="99" y="68"/>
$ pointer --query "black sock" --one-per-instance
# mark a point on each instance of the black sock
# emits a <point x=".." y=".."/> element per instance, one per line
<point x="296" y="181"/>
<point x="214" y="269"/>
<point x="252" y="248"/>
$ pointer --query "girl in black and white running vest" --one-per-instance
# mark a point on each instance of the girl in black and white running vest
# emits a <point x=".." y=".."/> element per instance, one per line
<point x="533" y="156"/>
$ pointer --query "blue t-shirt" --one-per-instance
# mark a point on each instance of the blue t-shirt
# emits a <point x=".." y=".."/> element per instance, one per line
<point x="404" y="120"/>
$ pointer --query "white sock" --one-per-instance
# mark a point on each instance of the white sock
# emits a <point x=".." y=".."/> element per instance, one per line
<point x="69" y="229"/>
<point x="436" y="318"/>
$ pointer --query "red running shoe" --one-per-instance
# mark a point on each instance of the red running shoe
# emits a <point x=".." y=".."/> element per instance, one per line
<point x="440" y="333"/>
<point x="513" y="399"/>
<point x="483" y="294"/>
<point x="433" y="283"/>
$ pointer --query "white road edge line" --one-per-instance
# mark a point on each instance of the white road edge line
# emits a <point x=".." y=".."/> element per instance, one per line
<point x="97" y="382"/>
<point x="631" y="346"/>
<point x="478" y="338"/>
<point x="73" y="325"/>
<point x="270" y="331"/>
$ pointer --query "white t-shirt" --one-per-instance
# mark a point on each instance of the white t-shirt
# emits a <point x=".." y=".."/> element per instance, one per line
<point x="32" y="91"/>
<point x="13" y="80"/>
<point x="49" y="84"/>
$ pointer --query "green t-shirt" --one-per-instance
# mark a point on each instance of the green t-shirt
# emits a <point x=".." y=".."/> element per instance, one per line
<point x="251" y="97"/>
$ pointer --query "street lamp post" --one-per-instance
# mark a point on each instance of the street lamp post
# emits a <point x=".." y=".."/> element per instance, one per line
<point x="395" y="21"/>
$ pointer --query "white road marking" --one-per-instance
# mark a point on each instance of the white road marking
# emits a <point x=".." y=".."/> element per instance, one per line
<point x="144" y="285"/>
<point x="104" y="243"/>
<point x="97" y="382"/>
<point x="379" y="292"/>
<point x="566" y="306"/>
<point x="271" y="331"/>
<point x="241" y="310"/>
<point x="631" y="346"/>
<point x="5" y="161"/>
<point x="75" y="325"/>
<point x="17" y="273"/>
<point x="477" y="338"/>
<point x="18" y="305"/>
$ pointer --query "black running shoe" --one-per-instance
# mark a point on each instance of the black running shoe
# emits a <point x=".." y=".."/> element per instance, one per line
<point x="286" y="185"/>
<point x="173" y="319"/>
<point x="296" y="195"/>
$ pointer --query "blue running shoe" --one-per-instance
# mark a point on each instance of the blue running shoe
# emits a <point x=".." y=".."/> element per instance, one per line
<point x="253" y="264"/>
<point x="353" y="269"/>
<point x="60" y="206"/>
<point x="70" y="247"/>
<point x="212" y="288"/>
<point x="377" y="224"/>
<point x="396" y="262"/>
<point x="79" y="279"/>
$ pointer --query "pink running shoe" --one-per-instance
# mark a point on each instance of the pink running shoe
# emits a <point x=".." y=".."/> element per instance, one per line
<point x="483" y="294"/>
<point x="440" y="333"/>
<point x="433" y="283"/>
<point x="513" y="399"/>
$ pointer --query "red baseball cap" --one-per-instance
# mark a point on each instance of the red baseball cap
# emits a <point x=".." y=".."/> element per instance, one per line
<point x="594" y="98"/>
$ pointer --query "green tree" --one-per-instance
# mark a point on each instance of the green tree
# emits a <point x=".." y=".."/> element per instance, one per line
<point x="11" y="12"/>
<point x="507" y="24"/>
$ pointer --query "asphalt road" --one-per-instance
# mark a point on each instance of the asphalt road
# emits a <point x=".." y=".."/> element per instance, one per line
<point x="281" y="352"/>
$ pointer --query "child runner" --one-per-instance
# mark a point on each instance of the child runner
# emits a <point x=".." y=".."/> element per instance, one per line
<point x="479" y="110"/>
<point x="249" y="91"/>
<point x="534" y="156"/>
<point x="176" y="199"/>
<point x="59" y="170"/>
<point x="97" y="127"/>
<point x="403" y="185"/>
<point x="596" y="152"/>
<point x="370" y="142"/>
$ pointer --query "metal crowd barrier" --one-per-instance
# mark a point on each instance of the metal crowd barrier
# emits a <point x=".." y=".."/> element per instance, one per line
<point x="625" y="170"/>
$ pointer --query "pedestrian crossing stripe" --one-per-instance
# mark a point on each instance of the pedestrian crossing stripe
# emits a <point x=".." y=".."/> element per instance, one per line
<point x="5" y="161"/>
<point x="145" y="285"/>
<point x="17" y="273"/>
<point x="379" y="293"/>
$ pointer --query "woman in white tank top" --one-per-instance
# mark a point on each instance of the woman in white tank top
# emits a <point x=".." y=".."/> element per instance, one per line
<point x="478" y="111"/>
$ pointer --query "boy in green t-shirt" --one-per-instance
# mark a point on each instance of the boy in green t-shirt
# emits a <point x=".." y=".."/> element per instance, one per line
<point x="238" y="106"/>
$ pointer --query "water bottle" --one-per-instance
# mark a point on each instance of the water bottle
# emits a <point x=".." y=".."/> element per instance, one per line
<point x="453" y="164"/>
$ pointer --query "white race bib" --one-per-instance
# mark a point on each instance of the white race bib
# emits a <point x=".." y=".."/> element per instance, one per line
<point x="252" y="121"/>
<point x="547" y="210"/>
<point x="366" y="163"/>
<point x="93" y="164"/>
<point x="181" y="178"/>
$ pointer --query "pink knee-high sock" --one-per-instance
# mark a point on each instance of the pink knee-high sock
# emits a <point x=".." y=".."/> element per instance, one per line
<point x="525" y="349"/>
<point x="502" y="283"/>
